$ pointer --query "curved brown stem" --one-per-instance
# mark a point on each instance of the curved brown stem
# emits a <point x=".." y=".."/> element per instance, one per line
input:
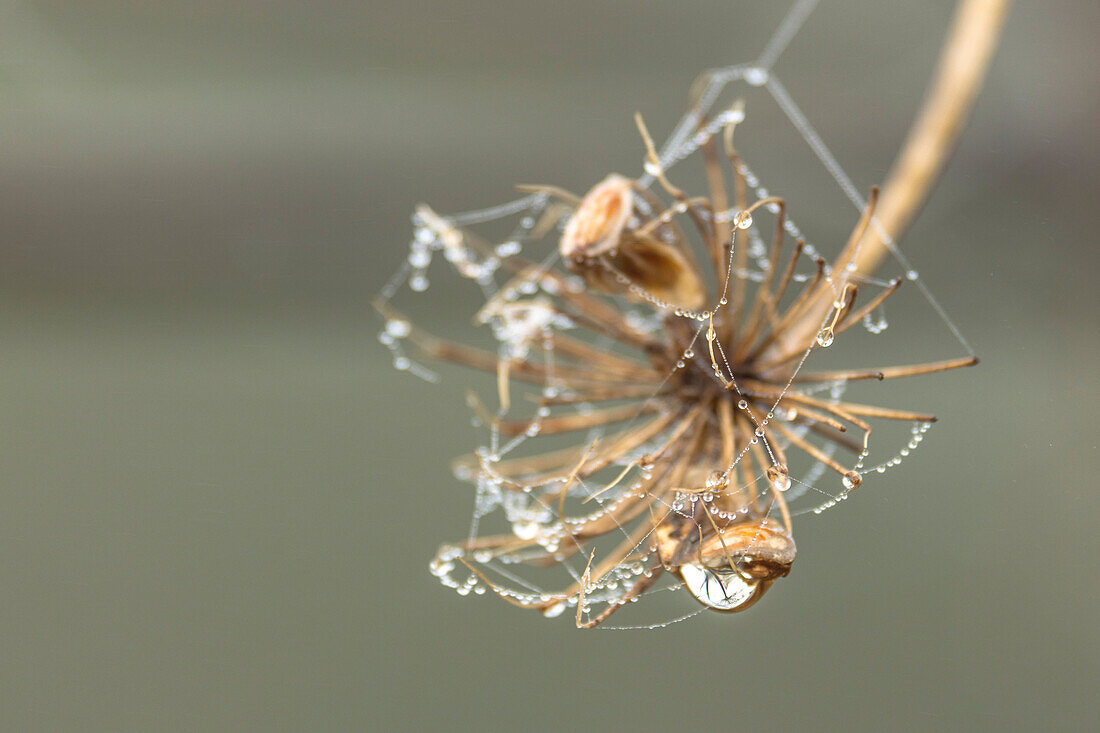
<point x="962" y="67"/>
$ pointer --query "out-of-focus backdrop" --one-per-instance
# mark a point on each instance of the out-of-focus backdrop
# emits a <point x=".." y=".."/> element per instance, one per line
<point x="218" y="499"/>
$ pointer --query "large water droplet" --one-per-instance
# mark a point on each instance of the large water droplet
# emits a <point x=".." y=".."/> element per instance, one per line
<point x="744" y="220"/>
<point x="852" y="480"/>
<point x="724" y="590"/>
<point x="825" y="337"/>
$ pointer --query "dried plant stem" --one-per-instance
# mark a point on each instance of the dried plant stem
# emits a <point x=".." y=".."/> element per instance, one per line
<point x="963" y="63"/>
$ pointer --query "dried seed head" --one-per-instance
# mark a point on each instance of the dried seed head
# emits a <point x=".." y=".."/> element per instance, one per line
<point x="701" y="437"/>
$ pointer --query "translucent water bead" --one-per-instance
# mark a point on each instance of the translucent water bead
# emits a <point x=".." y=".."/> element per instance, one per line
<point x="724" y="590"/>
<point x="779" y="477"/>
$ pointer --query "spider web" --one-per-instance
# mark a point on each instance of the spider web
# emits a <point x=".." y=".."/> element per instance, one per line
<point x="525" y="222"/>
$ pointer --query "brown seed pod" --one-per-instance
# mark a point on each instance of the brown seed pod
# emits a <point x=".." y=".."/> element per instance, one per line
<point x="597" y="225"/>
<point x="599" y="245"/>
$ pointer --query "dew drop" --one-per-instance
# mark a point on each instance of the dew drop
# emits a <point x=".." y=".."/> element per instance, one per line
<point x="852" y="480"/>
<point x="721" y="589"/>
<point x="397" y="328"/>
<point x="756" y="76"/>
<point x="525" y="530"/>
<point x="744" y="220"/>
<point x="742" y="405"/>
<point x="825" y="338"/>
<point x="779" y="477"/>
<point x="554" y="611"/>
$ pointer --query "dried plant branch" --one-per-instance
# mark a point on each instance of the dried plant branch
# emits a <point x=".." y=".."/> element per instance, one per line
<point x="964" y="60"/>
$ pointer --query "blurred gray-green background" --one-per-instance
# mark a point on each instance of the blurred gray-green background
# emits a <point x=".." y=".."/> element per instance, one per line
<point x="218" y="499"/>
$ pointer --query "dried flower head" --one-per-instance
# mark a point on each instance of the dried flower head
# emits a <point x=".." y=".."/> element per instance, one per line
<point x="671" y="347"/>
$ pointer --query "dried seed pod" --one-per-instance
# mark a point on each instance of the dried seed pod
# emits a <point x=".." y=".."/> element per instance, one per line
<point x="598" y="223"/>
<point x="762" y="550"/>
<point x="738" y="564"/>
<point x="599" y="245"/>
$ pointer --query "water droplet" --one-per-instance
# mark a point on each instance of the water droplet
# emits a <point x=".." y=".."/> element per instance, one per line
<point x="554" y="611"/>
<point x="725" y="589"/>
<point x="825" y="337"/>
<point x="397" y="328"/>
<point x="743" y="220"/>
<point x="779" y="477"/>
<point x="852" y="480"/>
<point x="912" y="275"/>
<point x="742" y="405"/>
<point x="689" y="354"/>
<point x="525" y="530"/>
<point x="756" y="76"/>
<point x="759" y="432"/>
<point x="716" y="479"/>
<point x="419" y="283"/>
